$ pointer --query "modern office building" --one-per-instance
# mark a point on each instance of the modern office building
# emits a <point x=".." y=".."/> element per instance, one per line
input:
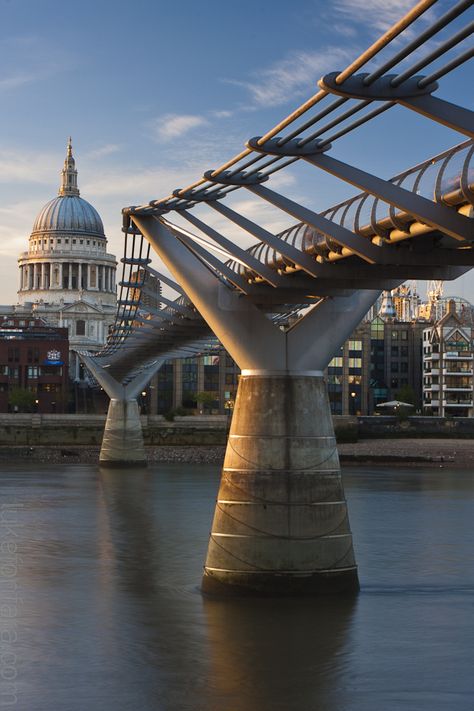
<point x="178" y="382"/>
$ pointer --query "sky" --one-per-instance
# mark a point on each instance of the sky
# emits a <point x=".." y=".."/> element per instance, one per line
<point x="154" y="93"/>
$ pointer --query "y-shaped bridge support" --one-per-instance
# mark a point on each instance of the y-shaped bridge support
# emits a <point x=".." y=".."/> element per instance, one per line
<point x="122" y="443"/>
<point x="281" y="524"/>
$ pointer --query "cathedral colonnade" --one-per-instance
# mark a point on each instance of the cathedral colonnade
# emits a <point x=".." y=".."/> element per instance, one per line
<point x="55" y="274"/>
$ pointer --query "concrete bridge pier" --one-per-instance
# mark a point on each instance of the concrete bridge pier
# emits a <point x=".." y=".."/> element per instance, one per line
<point x="281" y="524"/>
<point x="122" y="443"/>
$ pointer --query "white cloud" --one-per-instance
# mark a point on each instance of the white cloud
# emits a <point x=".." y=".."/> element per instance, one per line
<point x="294" y="75"/>
<point x="15" y="80"/>
<point x="381" y="14"/>
<point x="25" y="165"/>
<point x="223" y="114"/>
<point x="282" y="179"/>
<point x="102" y="151"/>
<point x="172" y="126"/>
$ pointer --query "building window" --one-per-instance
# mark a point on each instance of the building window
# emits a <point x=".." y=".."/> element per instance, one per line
<point x="80" y="328"/>
<point x="32" y="371"/>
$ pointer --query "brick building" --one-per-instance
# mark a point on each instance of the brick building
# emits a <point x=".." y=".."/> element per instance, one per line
<point x="33" y="366"/>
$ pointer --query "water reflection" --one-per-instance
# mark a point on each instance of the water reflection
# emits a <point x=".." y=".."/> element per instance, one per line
<point x="277" y="654"/>
<point x="129" y="526"/>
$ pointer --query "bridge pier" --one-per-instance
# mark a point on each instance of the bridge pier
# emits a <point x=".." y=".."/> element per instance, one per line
<point x="281" y="524"/>
<point x="122" y="443"/>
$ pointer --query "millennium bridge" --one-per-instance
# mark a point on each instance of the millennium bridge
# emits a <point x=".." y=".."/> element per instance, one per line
<point x="283" y="307"/>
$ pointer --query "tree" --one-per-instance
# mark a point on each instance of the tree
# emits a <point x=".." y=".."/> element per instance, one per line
<point x="21" y="400"/>
<point x="406" y="394"/>
<point x="206" y="399"/>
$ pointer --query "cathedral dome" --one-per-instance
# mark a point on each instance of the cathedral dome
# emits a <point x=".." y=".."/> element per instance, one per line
<point x="69" y="213"/>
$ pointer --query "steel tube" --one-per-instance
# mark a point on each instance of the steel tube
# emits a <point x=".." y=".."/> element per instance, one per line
<point x="386" y="38"/>
<point x="438" y="52"/>
<point x="427" y="34"/>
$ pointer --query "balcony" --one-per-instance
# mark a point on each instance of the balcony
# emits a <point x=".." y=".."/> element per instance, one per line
<point x="454" y="389"/>
<point x="450" y="371"/>
<point x="459" y="355"/>
<point x="457" y="403"/>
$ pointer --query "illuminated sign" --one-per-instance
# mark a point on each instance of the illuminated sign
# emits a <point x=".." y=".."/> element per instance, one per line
<point x="53" y="357"/>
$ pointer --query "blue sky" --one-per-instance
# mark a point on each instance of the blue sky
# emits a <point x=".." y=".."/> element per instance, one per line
<point x="155" y="93"/>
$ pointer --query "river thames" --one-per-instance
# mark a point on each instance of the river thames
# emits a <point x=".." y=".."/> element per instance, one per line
<point x="102" y="611"/>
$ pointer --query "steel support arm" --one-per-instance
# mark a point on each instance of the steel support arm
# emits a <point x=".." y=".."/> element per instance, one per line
<point x="245" y="257"/>
<point x="438" y="216"/>
<point x="250" y="338"/>
<point x="360" y="246"/>
<point x="288" y="251"/>
<point x="165" y="279"/>
<point x="315" y="339"/>
<point x="141" y="380"/>
<point x="113" y="388"/>
<point x="451" y="115"/>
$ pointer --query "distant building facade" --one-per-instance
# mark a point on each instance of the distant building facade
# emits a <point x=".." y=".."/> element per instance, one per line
<point x="33" y="366"/>
<point x="178" y="382"/>
<point x="448" y="383"/>
<point x="381" y="357"/>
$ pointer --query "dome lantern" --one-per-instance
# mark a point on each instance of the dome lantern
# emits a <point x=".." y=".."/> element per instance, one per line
<point x="69" y="174"/>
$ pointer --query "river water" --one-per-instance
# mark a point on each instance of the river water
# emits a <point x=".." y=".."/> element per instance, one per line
<point x="102" y="611"/>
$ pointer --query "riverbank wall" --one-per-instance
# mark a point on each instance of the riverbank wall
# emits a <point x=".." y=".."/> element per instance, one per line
<point x="209" y="430"/>
<point x="68" y="430"/>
